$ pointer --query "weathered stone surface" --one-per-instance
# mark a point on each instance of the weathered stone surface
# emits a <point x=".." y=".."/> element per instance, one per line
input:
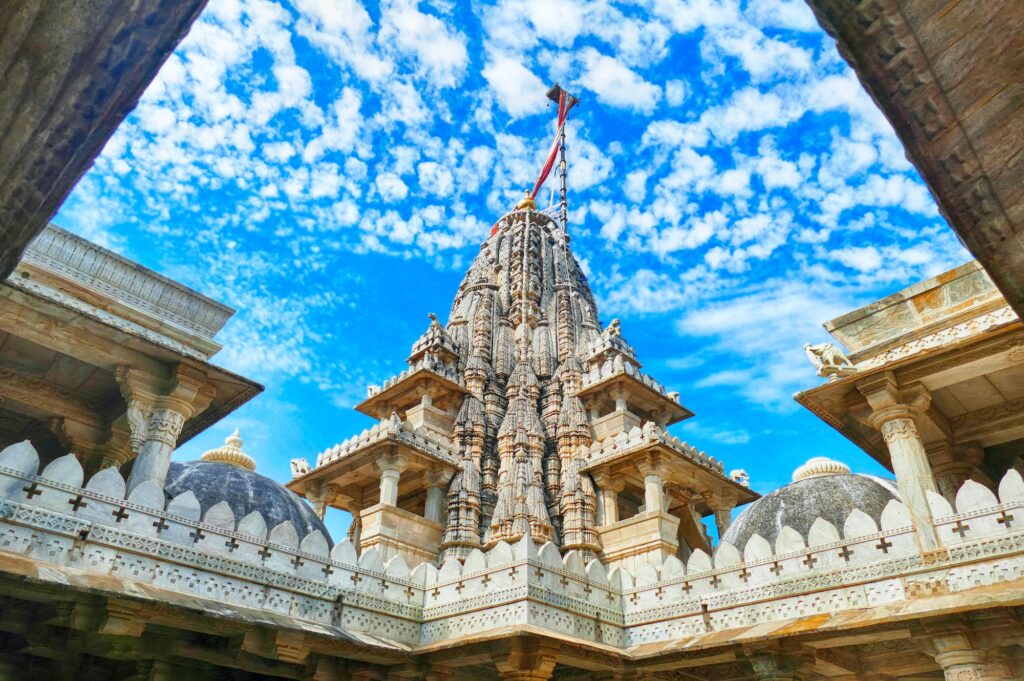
<point x="69" y="73"/>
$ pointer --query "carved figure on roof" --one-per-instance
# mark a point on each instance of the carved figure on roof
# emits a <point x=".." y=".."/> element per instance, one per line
<point x="831" y="362"/>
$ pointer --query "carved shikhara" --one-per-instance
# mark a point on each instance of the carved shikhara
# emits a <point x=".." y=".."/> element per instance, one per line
<point x="51" y="518"/>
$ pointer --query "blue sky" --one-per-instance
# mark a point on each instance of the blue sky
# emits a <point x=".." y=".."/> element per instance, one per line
<point x="329" y="168"/>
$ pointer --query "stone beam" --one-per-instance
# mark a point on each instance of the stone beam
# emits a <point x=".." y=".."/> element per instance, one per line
<point x="69" y="73"/>
<point x="947" y="76"/>
<point x="51" y="399"/>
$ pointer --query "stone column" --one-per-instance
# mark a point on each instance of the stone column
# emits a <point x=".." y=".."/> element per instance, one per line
<point x="608" y="497"/>
<point x="437" y="488"/>
<point x="895" y="412"/>
<point x="526" y="659"/>
<point x="187" y="395"/>
<point x="390" y="467"/>
<point x="953" y="649"/>
<point x="654" y="490"/>
<point x="722" y="508"/>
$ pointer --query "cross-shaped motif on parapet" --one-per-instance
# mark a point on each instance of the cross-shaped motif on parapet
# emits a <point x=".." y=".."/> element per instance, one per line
<point x="884" y="544"/>
<point x="539" y="573"/>
<point x="610" y="596"/>
<point x="197" y="536"/>
<point x="356" y="578"/>
<point x="160" y="525"/>
<point x="845" y="553"/>
<point x="634" y="597"/>
<point x="460" y="586"/>
<point x="687" y="588"/>
<point x="327" y="570"/>
<point x="658" y="592"/>
<point x="120" y="514"/>
<point x="486" y="580"/>
<point x="297" y="562"/>
<point x="715" y="581"/>
<point x="960" y="528"/>
<point x="231" y="544"/>
<point x="78" y="502"/>
<point x="31" y="491"/>
<point x="776" y="568"/>
<point x="264" y="553"/>
<point x="810" y="561"/>
<point x="410" y="592"/>
<point x="586" y="588"/>
<point x="1005" y="519"/>
<point x="744" y="575"/>
<point x="513" y="572"/>
<point x="564" y="580"/>
<point x="436" y="592"/>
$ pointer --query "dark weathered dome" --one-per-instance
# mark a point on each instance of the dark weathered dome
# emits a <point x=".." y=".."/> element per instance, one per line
<point x="829" y="494"/>
<point x="245" y="491"/>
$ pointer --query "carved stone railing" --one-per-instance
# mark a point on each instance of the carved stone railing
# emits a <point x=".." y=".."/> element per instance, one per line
<point x="618" y="366"/>
<point x="51" y="518"/>
<point x="638" y="438"/>
<point x="425" y="364"/>
<point x="393" y="429"/>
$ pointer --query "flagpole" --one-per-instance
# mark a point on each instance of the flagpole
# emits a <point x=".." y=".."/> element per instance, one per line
<point x="555" y="94"/>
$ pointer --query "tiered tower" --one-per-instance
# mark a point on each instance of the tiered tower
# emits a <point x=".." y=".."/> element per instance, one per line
<point x="523" y="403"/>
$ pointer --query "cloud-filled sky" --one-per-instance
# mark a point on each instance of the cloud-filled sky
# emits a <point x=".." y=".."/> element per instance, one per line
<point x="329" y="169"/>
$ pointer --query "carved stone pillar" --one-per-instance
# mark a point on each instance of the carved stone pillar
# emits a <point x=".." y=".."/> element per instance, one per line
<point x="722" y="508"/>
<point x="894" y="413"/>
<point x="774" y="667"/>
<point x="187" y="394"/>
<point x="526" y="660"/>
<point x="961" y="660"/>
<point x="437" y="488"/>
<point x="390" y="467"/>
<point x="654" y="488"/>
<point x="608" y="497"/>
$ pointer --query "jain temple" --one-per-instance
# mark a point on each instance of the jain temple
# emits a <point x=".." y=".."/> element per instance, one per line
<point x="519" y="508"/>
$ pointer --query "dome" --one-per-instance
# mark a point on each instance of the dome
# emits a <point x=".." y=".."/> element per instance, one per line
<point x="821" y="488"/>
<point x="245" y="491"/>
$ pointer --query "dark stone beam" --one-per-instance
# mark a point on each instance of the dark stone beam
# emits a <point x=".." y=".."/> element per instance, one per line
<point x="69" y="73"/>
<point x="947" y="75"/>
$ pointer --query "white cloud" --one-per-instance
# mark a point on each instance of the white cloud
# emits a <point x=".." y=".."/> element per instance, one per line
<point x="391" y="188"/>
<point x="519" y="91"/>
<point x="439" y="50"/>
<point x="616" y="84"/>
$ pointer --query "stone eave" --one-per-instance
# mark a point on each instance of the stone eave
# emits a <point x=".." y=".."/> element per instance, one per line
<point x="650" y="399"/>
<point x="699" y="473"/>
<point x="404" y="391"/>
<point x="362" y="457"/>
<point x="66" y="263"/>
<point x="828" y="400"/>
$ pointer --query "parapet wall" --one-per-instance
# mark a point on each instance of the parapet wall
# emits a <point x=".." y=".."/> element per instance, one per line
<point x="51" y="517"/>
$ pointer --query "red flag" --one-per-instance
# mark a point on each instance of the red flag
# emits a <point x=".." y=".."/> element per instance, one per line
<point x="565" y="102"/>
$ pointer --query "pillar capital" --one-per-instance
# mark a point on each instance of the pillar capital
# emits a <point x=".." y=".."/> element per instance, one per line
<point x="391" y="463"/>
<point x="526" y="659"/>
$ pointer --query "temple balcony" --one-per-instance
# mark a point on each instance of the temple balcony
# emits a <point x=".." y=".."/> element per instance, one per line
<point x="392" y="479"/>
<point x="653" y="490"/>
<point x="620" y="397"/>
<point x="427" y="395"/>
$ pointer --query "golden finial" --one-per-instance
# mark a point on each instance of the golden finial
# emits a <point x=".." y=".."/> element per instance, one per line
<point x="230" y="453"/>
<point x="526" y="203"/>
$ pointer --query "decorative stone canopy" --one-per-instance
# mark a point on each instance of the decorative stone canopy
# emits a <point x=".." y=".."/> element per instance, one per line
<point x="230" y="453"/>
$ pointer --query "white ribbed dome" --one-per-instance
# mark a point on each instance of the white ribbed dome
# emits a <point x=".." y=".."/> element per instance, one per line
<point x="820" y="465"/>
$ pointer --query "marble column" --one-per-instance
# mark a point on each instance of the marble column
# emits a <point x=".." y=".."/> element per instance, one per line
<point x="526" y="660"/>
<point x="608" y="498"/>
<point x="183" y="396"/>
<point x="437" y="494"/>
<point x="654" y="487"/>
<point x="390" y="467"/>
<point x="895" y="412"/>
<point x="953" y="649"/>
